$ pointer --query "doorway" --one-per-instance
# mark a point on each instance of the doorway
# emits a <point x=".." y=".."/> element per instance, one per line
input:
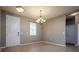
<point x="71" y="31"/>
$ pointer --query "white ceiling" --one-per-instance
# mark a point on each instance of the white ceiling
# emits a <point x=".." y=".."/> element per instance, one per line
<point x="48" y="11"/>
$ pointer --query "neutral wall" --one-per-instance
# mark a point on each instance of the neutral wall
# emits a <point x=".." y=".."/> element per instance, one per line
<point x="77" y="19"/>
<point x="0" y="28"/>
<point x="54" y="30"/>
<point x="25" y="31"/>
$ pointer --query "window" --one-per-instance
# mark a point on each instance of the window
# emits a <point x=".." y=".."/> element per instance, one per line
<point x="32" y="28"/>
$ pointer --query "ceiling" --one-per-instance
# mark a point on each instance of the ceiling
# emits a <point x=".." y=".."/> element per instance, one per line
<point x="47" y="11"/>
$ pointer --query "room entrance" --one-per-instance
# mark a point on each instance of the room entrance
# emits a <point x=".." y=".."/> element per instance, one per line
<point x="71" y="31"/>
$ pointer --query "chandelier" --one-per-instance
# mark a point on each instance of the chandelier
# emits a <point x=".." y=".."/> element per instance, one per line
<point x="40" y="19"/>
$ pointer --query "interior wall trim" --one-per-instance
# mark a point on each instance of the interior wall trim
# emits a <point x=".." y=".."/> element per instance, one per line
<point x="38" y="42"/>
<point x="54" y="43"/>
<point x="23" y="44"/>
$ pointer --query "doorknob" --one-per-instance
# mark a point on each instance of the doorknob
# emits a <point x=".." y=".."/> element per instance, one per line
<point x="18" y="33"/>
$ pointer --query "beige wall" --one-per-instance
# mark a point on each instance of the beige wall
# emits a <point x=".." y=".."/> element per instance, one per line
<point x="54" y="30"/>
<point x="77" y="19"/>
<point x="25" y="30"/>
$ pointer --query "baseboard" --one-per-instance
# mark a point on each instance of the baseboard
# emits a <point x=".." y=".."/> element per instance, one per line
<point x="38" y="42"/>
<point x="23" y="44"/>
<point x="32" y="43"/>
<point x="54" y="43"/>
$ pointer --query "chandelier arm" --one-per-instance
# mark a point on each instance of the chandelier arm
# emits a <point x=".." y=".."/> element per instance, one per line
<point x="40" y="13"/>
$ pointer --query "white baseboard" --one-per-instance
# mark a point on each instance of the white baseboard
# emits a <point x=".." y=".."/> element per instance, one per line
<point x="32" y="43"/>
<point x="23" y="44"/>
<point x="38" y="42"/>
<point x="54" y="43"/>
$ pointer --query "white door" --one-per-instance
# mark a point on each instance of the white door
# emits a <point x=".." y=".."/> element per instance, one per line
<point x="12" y="30"/>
